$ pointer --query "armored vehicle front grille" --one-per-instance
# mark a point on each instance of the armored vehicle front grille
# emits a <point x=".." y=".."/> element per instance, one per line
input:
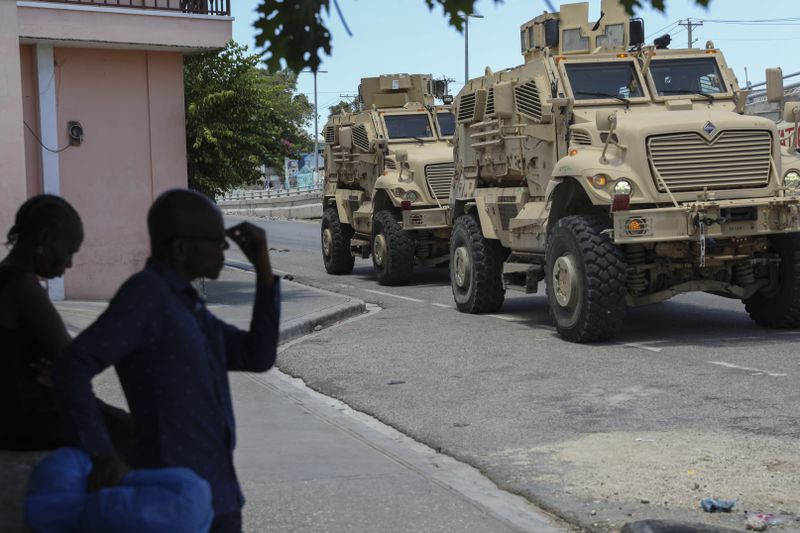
<point x="490" y="102"/>
<point x="440" y="176"/>
<point x="527" y="98"/>
<point x="390" y="163"/>
<point x="466" y="107"/>
<point x="580" y="137"/>
<point x="735" y="159"/>
<point x="330" y="135"/>
<point x="360" y="138"/>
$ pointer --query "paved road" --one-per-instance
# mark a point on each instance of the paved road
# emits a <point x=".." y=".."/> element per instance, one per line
<point x="691" y="400"/>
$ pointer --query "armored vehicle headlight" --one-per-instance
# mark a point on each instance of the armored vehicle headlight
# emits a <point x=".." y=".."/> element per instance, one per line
<point x="411" y="196"/>
<point x="623" y="187"/>
<point x="791" y="180"/>
<point x="599" y="181"/>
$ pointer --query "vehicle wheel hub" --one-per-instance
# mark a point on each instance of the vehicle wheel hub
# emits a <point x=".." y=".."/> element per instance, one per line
<point x="379" y="248"/>
<point x="462" y="267"/>
<point x="565" y="281"/>
<point x="327" y="242"/>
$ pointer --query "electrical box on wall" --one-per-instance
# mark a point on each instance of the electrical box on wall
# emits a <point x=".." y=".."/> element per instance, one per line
<point x="75" y="132"/>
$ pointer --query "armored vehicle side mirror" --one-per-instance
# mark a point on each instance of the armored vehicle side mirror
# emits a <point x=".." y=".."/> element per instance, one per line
<point x="636" y="28"/>
<point x="346" y="137"/>
<point x="774" y="85"/>
<point x="401" y="156"/>
<point x="603" y="119"/>
<point x="791" y="111"/>
<point x="551" y="31"/>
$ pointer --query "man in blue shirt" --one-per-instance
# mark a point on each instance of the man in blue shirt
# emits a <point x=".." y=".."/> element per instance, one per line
<point x="172" y="355"/>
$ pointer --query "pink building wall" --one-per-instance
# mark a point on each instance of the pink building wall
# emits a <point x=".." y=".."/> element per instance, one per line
<point x="130" y="104"/>
<point x="12" y="164"/>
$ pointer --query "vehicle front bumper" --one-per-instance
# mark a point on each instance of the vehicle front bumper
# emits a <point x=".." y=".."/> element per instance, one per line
<point x="425" y="219"/>
<point x="715" y="218"/>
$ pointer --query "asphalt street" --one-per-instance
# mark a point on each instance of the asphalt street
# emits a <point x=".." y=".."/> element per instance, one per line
<point x="692" y="400"/>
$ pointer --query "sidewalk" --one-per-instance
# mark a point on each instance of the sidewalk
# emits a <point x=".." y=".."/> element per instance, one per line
<point x="308" y="462"/>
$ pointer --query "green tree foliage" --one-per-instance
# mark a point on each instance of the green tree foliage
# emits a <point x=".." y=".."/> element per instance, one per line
<point x="344" y="106"/>
<point x="239" y="117"/>
<point x="293" y="30"/>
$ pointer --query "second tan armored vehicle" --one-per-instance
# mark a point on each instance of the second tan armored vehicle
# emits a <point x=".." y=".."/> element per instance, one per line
<point x="621" y="175"/>
<point x="388" y="172"/>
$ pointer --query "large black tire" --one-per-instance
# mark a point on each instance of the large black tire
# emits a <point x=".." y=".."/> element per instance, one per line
<point x="779" y="307"/>
<point x="392" y="249"/>
<point x="336" y="244"/>
<point x="476" y="268"/>
<point x="585" y="276"/>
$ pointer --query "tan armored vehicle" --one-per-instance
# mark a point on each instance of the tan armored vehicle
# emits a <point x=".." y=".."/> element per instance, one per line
<point x="622" y="175"/>
<point x="388" y="172"/>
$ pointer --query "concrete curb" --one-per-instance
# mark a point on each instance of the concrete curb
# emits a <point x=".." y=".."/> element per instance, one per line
<point x="317" y="320"/>
<point x="302" y="212"/>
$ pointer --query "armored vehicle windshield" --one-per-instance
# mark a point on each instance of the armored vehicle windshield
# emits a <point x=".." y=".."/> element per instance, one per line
<point x="686" y="76"/>
<point x="597" y="81"/>
<point x="446" y="122"/>
<point x="408" y="126"/>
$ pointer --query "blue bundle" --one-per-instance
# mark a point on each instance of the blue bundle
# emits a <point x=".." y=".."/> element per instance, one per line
<point x="164" y="500"/>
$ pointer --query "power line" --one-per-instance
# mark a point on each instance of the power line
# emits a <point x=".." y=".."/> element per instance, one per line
<point x="41" y="143"/>
<point x="665" y="29"/>
<point x="752" y="21"/>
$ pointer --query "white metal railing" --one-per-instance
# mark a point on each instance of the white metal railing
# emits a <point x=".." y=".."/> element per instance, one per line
<point x="263" y="194"/>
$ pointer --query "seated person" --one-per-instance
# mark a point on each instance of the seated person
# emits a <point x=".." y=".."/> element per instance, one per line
<point x="47" y="232"/>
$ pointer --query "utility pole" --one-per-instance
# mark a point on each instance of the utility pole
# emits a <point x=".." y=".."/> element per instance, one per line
<point x="316" y="123"/>
<point x="689" y="25"/>
<point x="466" y="43"/>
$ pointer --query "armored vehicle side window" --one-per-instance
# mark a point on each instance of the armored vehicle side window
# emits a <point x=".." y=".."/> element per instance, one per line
<point x="447" y="124"/>
<point x="408" y="126"/>
<point x="686" y="76"/>
<point x="593" y="81"/>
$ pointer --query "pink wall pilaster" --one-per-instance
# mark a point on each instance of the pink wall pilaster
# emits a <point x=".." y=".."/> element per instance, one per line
<point x="30" y="111"/>
<point x="12" y="145"/>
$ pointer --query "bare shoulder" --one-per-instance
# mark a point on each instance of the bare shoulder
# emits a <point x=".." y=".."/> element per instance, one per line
<point x="27" y="286"/>
<point x="23" y="293"/>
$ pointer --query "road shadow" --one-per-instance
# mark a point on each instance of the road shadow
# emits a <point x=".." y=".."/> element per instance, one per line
<point x="682" y="323"/>
<point x="421" y="277"/>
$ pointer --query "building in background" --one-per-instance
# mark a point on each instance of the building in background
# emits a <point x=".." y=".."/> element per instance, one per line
<point x="92" y="108"/>
<point x="302" y="173"/>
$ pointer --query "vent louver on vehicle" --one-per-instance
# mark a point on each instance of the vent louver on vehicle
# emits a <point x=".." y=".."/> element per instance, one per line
<point x="440" y="177"/>
<point x="390" y="163"/>
<point x="330" y="135"/>
<point x="582" y="137"/>
<point x="360" y="138"/>
<point x="735" y="159"/>
<point x="466" y="107"/>
<point x="527" y="99"/>
<point x="490" y="102"/>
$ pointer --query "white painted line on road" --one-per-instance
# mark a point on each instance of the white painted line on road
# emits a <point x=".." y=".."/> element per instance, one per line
<point x="642" y="346"/>
<point x="747" y="368"/>
<point x="508" y="318"/>
<point x="443" y="306"/>
<point x="395" y="296"/>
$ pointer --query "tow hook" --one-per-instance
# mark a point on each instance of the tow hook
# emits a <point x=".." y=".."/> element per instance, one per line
<point x="702" y="223"/>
